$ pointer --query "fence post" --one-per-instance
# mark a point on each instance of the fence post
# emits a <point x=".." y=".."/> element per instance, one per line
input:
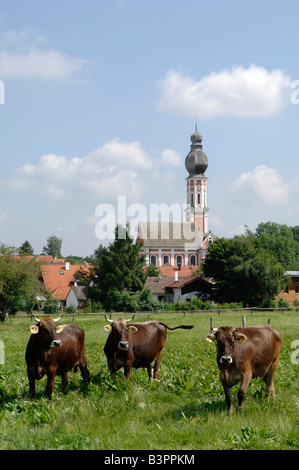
<point x="243" y="321"/>
<point x="211" y="324"/>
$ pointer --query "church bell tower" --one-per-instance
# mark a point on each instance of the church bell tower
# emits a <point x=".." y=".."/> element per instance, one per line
<point x="196" y="164"/>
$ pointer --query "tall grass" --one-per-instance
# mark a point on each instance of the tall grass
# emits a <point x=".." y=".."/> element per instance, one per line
<point x="185" y="409"/>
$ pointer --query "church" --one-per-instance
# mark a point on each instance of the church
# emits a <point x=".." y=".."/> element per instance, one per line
<point x="181" y="246"/>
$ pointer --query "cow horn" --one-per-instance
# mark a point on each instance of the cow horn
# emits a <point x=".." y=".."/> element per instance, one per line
<point x="127" y="321"/>
<point x="108" y="319"/>
<point x="57" y="319"/>
<point x="36" y="319"/>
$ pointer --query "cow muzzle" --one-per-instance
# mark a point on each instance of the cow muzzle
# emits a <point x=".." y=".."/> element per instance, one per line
<point x="56" y="343"/>
<point x="123" y="345"/>
<point x="226" y="360"/>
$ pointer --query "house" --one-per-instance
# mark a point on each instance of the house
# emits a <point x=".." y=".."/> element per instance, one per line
<point x="291" y="292"/>
<point x="158" y="288"/>
<point x="59" y="279"/>
<point x="77" y="297"/>
<point x="187" y="288"/>
<point x="172" y="289"/>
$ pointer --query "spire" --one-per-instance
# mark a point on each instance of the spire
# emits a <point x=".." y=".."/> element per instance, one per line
<point x="196" y="161"/>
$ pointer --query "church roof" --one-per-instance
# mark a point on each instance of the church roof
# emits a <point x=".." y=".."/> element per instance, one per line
<point x="170" y="234"/>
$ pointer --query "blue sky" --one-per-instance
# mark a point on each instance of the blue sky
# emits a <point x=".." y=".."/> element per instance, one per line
<point x="101" y="98"/>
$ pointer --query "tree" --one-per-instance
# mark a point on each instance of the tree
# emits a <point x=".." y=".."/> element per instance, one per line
<point x="53" y="247"/>
<point x="281" y="242"/>
<point x="26" y="249"/>
<point x="19" y="282"/>
<point x="118" y="268"/>
<point x="243" y="271"/>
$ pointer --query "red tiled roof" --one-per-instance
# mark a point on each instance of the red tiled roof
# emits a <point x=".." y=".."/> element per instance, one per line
<point x="61" y="293"/>
<point x="56" y="276"/>
<point x="182" y="282"/>
<point x="168" y="271"/>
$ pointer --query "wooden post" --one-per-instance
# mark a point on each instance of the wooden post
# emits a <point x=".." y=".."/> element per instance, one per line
<point x="243" y="321"/>
<point x="211" y="324"/>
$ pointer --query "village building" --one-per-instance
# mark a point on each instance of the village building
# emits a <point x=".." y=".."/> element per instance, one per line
<point x="59" y="279"/>
<point x="182" y="244"/>
<point x="291" y="292"/>
<point x="169" y="289"/>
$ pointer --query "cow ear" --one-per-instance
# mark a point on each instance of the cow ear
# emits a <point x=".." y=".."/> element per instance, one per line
<point x="60" y="328"/>
<point x="33" y="329"/>
<point x="108" y="328"/>
<point x="132" y="329"/>
<point x="240" y="337"/>
<point x="210" y="338"/>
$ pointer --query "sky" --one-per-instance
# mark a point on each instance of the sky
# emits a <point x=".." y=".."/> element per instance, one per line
<point x="98" y="100"/>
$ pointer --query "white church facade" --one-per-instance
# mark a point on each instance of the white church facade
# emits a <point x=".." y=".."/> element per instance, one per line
<point x="182" y="245"/>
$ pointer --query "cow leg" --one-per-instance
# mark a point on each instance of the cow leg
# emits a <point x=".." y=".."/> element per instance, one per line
<point x="111" y="367"/>
<point x="242" y="390"/>
<point x="50" y="382"/>
<point x="83" y="367"/>
<point x="31" y="378"/>
<point x="228" y="398"/>
<point x="150" y="371"/>
<point x="227" y="392"/>
<point x="157" y="364"/>
<point x="269" y="379"/>
<point x="84" y="372"/>
<point x="127" y="369"/>
<point x="64" y="381"/>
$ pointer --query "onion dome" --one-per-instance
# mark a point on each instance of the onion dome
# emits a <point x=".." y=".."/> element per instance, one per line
<point x="196" y="161"/>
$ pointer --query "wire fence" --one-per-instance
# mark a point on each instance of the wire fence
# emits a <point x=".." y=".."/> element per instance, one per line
<point x="148" y="315"/>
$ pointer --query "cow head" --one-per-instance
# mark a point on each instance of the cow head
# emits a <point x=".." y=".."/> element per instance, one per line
<point x="119" y="331"/>
<point x="226" y="336"/>
<point x="47" y="331"/>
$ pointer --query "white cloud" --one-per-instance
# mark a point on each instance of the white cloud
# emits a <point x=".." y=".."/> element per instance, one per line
<point x="122" y="154"/>
<point x="239" y="92"/>
<point x="171" y="157"/>
<point x="261" y="185"/>
<point x="38" y="64"/>
<point x="116" y="168"/>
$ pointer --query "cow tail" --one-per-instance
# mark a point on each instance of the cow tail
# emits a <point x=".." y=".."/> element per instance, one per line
<point x="184" y="327"/>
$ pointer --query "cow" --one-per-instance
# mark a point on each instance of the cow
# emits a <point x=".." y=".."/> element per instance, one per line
<point x="54" y="350"/>
<point x="245" y="353"/>
<point x="136" y="345"/>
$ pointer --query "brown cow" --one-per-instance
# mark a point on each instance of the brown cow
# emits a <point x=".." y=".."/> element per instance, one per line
<point x="54" y="351"/>
<point x="136" y="345"/>
<point x="245" y="353"/>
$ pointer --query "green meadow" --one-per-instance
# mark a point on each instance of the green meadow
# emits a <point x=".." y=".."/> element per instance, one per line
<point x="184" y="410"/>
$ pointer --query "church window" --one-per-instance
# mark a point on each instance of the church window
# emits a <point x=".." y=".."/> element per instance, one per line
<point x="192" y="199"/>
<point x="179" y="260"/>
<point x="198" y="198"/>
<point x="153" y="260"/>
<point x="165" y="259"/>
<point x="193" y="260"/>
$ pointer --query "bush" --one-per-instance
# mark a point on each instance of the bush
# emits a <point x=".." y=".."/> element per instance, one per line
<point x="282" y="303"/>
<point x="51" y="306"/>
<point x="121" y="301"/>
<point x="146" y="302"/>
<point x="269" y="303"/>
<point x="71" y="309"/>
